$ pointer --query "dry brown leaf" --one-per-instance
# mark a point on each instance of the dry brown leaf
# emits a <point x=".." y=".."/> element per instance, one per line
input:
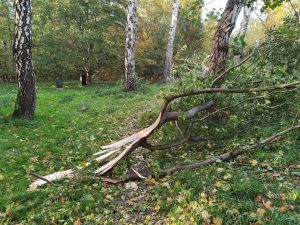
<point x="239" y="159"/>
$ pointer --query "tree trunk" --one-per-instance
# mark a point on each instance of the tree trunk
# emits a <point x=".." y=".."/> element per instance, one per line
<point x="25" y="103"/>
<point x="170" y="45"/>
<point x="222" y="35"/>
<point x="131" y="29"/>
<point x="245" y="21"/>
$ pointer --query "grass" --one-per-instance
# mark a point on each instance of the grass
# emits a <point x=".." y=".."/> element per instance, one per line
<point x="69" y="127"/>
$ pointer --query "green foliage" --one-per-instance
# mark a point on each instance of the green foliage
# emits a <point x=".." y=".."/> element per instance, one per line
<point x="72" y="36"/>
<point x="238" y="45"/>
<point x="6" y="39"/>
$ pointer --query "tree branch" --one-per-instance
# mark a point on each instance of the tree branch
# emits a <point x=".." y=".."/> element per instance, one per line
<point x="223" y="157"/>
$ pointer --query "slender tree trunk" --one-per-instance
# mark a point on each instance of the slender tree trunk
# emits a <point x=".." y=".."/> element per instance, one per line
<point x="131" y="30"/>
<point x="222" y="35"/>
<point x="245" y="22"/>
<point x="170" y="46"/>
<point x="25" y="103"/>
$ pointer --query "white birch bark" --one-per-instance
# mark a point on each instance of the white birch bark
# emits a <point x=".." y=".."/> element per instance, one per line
<point x="245" y="21"/>
<point x="131" y="33"/>
<point x="170" y="45"/>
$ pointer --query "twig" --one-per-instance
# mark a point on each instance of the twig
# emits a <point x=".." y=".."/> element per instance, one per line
<point x="230" y="106"/>
<point x="42" y="178"/>
<point x="138" y="174"/>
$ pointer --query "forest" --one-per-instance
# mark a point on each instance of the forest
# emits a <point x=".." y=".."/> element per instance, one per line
<point x="150" y="112"/>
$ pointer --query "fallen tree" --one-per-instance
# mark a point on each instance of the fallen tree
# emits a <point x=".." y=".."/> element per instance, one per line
<point x="140" y="139"/>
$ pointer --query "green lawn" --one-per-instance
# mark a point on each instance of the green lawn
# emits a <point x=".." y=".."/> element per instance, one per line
<point x="71" y="124"/>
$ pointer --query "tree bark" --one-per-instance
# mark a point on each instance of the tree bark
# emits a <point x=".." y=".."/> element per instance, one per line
<point x="131" y="30"/>
<point x="245" y="22"/>
<point x="25" y="103"/>
<point x="170" y="45"/>
<point x="222" y="35"/>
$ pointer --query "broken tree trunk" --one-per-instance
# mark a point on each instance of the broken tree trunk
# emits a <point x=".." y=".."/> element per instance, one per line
<point x="139" y="139"/>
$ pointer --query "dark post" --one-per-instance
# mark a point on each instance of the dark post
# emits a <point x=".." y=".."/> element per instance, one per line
<point x="83" y="79"/>
<point x="59" y="82"/>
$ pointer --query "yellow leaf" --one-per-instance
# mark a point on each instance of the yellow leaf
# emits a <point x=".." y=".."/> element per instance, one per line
<point x="217" y="221"/>
<point x="253" y="162"/>
<point x="203" y="195"/>
<point x="268" y="204"/>
<point x="1" y="177"/>
<point x="77" y="221"/>
<point x="227" y="176"/>
<point x="261" y="212"/>
<point x="157" y="207"/>
<point x="283" y="197"/>
<point x="220" y="170"/>
<point x="218" y="184"/>
<point x="283" y="209"/>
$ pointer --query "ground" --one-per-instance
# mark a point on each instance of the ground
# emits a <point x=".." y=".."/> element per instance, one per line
<point x="71" y="124"/>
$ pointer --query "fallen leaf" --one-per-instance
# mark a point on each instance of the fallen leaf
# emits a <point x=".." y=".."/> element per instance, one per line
<point x="205" y="215"/>
<point x="283" y="209"/>
<point x="253" y="162"/>
<point x="77" y="221"/>
<point x="217" y="221"/>
<point x="267" y="204"/>
<point x="227" y="176"/>
<point x="283" y="197"/>
<point x="261" y="199"/>
<point x="157" y="207"/>
<point x="218" y="184"/>
<point x="209" y="146"/>
<point x="131" y="185"/>
<point x="261" y="212"/>
<point x="203" y="195"/>
<point x="220" y="170"/>
<point x="239" y="159"/>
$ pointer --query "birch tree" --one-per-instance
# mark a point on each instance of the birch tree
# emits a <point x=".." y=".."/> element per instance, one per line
<point x="245" y="22"/>
<point x="170" y="45"/>
<point x="25" y="103"/>
<point x="131" y="33"/>
<point x="222" y="35"/>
